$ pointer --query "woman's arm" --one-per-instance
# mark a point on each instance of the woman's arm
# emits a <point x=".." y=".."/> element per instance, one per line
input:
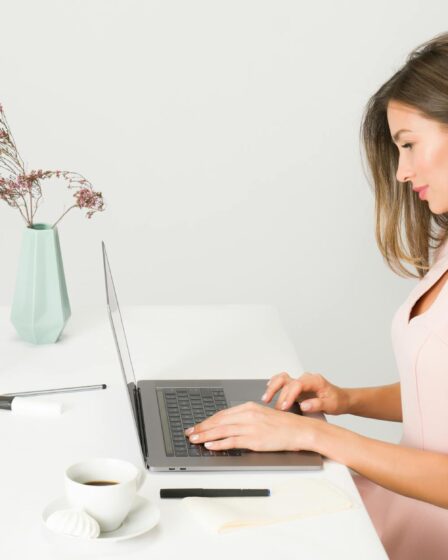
<point x="411" y="472"/>
<point x="382" y="403"/>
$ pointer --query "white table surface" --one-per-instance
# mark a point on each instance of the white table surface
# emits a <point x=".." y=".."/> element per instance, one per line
<point x="166" y="342"/>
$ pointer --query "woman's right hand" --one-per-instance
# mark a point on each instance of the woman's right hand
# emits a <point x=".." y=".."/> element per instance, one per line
<point x="328" y="398"/>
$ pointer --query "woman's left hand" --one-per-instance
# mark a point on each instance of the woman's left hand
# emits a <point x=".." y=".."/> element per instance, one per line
<point x="256" y="427"/>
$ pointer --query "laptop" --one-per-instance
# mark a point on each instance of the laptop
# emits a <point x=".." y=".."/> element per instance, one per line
<point x="163" y="409"/>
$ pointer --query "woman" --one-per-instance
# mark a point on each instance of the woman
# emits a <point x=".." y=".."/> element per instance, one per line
<point x="404" y="486"/>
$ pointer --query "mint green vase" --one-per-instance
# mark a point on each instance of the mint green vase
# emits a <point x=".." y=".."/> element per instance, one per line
<point x="40" y="308"/>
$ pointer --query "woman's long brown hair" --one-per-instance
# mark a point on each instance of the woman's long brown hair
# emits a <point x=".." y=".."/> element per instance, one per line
<point x="406" y="230"/>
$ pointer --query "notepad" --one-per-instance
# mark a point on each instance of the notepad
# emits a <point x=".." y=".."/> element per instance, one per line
<point x="297" y="499"/>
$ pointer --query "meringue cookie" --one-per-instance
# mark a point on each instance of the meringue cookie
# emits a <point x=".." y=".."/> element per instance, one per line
<point x="74" y="522"/>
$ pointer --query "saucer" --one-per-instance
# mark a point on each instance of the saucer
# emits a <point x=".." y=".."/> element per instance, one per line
<point x="143" y="516"/>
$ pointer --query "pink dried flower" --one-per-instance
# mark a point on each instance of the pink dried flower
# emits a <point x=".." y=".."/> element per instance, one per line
<point x="22" y="190"/>
<point x="86" y="198"/>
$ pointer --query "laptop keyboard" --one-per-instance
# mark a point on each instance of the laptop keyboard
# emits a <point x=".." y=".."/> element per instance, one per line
<point x="184" y="408"/>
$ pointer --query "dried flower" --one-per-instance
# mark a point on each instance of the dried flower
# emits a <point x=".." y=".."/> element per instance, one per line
<point x="23" y="190"/>
<point x="86" y="198"/>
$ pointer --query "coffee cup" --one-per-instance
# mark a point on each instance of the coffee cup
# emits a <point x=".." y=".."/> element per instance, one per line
<point x="104" y="488"/>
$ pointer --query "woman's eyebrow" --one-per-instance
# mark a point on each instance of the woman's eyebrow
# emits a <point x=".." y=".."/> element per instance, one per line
<point x="397" y="135"/>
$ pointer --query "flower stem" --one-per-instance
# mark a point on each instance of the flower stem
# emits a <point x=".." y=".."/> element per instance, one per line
<point x="57" y="221"/>
<point x="28" y="219"/>
<point x="23" y="215"/>
<point x="31" y="208"/>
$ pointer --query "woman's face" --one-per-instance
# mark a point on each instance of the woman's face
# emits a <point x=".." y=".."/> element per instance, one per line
<point x="423" y="158"/>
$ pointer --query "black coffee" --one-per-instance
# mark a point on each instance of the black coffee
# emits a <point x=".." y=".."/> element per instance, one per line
<point x="100" y="482"/>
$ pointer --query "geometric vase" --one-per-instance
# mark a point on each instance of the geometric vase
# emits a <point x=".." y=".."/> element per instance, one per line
<point x="40" y="308"/>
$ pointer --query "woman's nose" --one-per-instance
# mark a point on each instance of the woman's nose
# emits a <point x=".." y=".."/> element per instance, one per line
<point x="404" y="173"/>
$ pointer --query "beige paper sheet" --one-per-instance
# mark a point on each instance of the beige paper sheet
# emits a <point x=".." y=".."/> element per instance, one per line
<point x="296" y="499"/>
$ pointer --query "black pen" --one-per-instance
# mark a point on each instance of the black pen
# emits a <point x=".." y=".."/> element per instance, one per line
<point x="214" y="492"/>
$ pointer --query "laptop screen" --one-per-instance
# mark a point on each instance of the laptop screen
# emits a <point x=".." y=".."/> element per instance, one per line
<point x="123" y="353"/>
<point x="117" y="324"/>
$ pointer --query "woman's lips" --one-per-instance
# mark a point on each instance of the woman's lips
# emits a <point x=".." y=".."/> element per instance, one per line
<point x="421" y="191"/>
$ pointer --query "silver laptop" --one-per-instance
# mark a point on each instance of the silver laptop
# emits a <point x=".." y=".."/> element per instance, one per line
<point x="163" y="409"/>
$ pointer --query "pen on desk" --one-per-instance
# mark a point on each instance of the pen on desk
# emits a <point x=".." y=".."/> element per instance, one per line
<point x="214" y="492"/>
<point x="51" y="391"/>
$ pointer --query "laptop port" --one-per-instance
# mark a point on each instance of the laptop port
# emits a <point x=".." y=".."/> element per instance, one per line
<point x="183" y="469"/>
<point x="171" y="469"/>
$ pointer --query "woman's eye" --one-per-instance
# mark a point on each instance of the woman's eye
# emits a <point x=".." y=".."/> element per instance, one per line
<point x="406" y="145"/>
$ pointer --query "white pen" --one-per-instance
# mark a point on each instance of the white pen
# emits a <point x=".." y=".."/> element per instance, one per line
<point x="51" y="391"/>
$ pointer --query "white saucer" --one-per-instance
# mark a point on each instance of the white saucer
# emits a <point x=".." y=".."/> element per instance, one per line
<point x="143" y="516"/>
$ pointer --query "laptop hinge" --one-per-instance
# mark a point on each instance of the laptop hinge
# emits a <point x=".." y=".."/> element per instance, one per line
<point x="140" y="422"/>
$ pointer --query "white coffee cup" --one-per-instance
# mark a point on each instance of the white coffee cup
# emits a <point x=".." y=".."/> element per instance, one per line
<point x="109" y="504"/>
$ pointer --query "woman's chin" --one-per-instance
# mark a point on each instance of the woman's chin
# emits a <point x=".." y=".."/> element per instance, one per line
<point x="437" y="208"/>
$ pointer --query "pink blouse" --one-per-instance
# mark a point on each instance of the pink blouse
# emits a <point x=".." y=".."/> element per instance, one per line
<point x="411" y="529"/>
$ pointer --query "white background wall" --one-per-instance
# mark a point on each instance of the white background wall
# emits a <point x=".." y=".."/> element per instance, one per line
<point x="224" y="136"/>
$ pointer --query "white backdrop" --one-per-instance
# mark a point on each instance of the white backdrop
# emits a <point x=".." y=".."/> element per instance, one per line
<point x="224" y="136"/>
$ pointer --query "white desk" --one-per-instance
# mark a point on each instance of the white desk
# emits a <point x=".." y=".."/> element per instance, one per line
<point x="165" y="342"/>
